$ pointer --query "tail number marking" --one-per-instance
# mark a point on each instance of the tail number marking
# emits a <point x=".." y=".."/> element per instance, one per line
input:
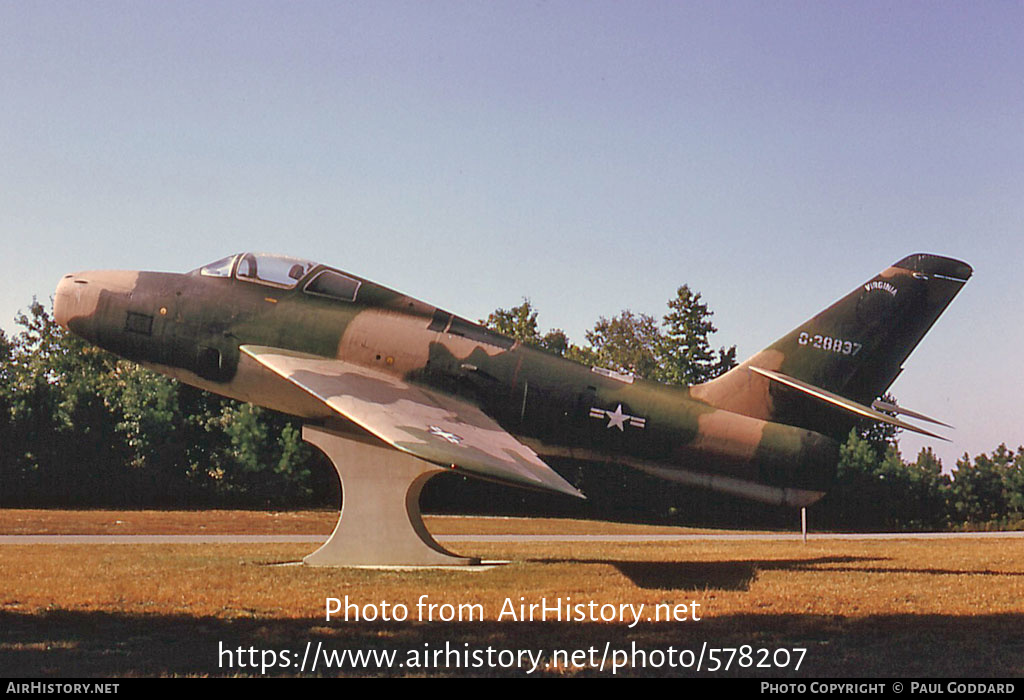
<point x="830" y="344"/>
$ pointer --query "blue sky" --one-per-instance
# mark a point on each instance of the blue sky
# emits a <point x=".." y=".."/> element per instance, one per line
<point x="589" y="155"/>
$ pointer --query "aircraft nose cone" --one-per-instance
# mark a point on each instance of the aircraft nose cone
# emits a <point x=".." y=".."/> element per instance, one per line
<point x="75" y="299"/>
<point x="79" y="297"/>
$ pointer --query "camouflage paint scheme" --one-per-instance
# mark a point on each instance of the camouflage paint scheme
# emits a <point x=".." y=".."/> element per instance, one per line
<point x="339" y="350"/>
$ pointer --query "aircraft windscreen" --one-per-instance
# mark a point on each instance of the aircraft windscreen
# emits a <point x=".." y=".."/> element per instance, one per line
<point x="220" y="268"/>
<point x="277" y="270"/>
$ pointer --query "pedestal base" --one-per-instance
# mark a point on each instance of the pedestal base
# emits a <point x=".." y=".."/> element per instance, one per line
<point x="380" y="522"/>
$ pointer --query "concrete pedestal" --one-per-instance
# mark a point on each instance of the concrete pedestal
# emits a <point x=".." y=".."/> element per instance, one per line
<point x="380" y="522"/>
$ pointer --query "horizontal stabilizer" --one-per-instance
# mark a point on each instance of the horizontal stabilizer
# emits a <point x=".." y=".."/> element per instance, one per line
<point x="842" y="402"/>
<point x="880" y="405"/>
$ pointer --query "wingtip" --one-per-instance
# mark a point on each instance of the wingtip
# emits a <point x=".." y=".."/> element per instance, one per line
<point x="564" y="487"/>
<point x="884" y="406"/>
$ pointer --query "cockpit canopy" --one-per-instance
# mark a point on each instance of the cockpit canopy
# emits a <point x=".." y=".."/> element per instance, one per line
<point x="276" y="270"/>
<point x="284" y="272"/>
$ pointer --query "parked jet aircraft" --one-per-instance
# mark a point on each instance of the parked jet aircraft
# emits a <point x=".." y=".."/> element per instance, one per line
<point x="379" y="366"/>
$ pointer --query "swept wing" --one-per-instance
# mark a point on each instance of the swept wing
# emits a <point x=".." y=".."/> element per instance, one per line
<point x="427" y="424"/>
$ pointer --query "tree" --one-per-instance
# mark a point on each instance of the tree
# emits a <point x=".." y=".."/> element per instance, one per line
<point x="876" y="491"/>
<point x="6" y="434"/>
<point x="881" y="436"/>
<point x="983" y="490"/>
<point x="62" y="435"/>
<point x="80" y="427"/>
<point x="675" y="351"/>
<point x="627" y="343"/>
<point x="1013" y="483"/>
<point x="915" y="493"/>
<point x="853" y="500"/>
<point x="684" y="354"/>
<point x="520" y="323"/>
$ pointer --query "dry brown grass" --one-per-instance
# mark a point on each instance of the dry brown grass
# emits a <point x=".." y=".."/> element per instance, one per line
<point x="308" y="522"/>
<point x="26" y="521"/>
<point x="861" y="608"/>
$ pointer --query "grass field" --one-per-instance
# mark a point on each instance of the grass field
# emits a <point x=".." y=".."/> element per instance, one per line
<point x="950" y="608"/>
<point x="307" y="522"/>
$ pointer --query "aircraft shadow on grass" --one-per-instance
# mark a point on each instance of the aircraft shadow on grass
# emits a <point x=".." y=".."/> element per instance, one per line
<point x="739" y="575"/>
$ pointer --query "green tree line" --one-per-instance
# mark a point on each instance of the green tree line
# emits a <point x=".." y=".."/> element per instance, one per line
<point x="81" y="428"/>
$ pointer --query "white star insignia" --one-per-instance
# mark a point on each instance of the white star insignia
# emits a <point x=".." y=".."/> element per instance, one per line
<point x="445" y="435"/>
<point x="616" y="418"/>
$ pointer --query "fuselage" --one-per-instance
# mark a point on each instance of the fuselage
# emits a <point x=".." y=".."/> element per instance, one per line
<point x="191" y="326"/>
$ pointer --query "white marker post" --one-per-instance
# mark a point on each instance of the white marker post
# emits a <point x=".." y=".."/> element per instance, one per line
<point x="803" y="523"/>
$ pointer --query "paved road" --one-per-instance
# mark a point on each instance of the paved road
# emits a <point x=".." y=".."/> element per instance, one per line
<point x="317" y="539"/>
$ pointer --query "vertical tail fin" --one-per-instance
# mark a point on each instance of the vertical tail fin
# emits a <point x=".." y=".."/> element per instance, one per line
<point x="854" y="348"/>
